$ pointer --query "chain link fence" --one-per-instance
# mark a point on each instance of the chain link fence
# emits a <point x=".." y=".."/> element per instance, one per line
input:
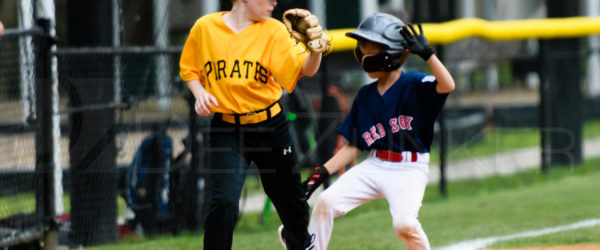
<point x="116" y="102"/>
<point x="111" y="102"/>
<point x="132" y="151"/>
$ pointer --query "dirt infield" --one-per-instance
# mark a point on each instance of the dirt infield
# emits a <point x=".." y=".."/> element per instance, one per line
<point x="574" y="247"/>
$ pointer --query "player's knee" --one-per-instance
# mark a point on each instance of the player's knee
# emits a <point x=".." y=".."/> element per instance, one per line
<point x="225" y="204"/>
<point x="326" y="204"/>
<point x="407" y="228"/>
<point x="325" y="201"/>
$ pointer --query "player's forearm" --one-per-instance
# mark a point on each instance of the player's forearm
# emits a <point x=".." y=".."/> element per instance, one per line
<point x="311" y="64"/>
<point x="342" y="158"/>
<point x="445" y="82"/>
<point x="195" y="87"/>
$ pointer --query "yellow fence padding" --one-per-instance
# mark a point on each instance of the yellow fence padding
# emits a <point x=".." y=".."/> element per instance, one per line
<point x="340" y="41"/>
<point x="451" y="31"/>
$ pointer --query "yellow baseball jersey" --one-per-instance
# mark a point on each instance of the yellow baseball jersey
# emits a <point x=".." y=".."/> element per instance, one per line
<point x="244" y="71"/>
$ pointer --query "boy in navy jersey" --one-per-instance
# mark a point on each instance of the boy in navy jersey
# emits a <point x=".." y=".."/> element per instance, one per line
<point x="393" y="119"/>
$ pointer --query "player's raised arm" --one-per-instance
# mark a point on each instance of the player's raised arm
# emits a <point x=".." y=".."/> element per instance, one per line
<point x="445" y="82"/>
<point x="417" y="44"/>
<point x="304" y="27"/>
<point x="311" y="65"/>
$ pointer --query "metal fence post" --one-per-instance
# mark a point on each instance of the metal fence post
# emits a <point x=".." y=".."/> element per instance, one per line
<point x="195" y="196"/>
<point x="561" y="95"/>
<point x="45" y="166"/>
<point x="443" y="153"/>
<point x="443" y="140"/>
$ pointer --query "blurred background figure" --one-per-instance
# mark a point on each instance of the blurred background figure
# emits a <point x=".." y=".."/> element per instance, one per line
<point x="115" y="77"/>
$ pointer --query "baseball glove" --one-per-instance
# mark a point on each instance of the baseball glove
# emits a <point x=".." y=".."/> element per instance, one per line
<point x="305" y="28"/>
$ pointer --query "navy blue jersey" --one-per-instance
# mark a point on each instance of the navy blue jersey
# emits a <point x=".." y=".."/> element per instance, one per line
<point x="400" y="120"/>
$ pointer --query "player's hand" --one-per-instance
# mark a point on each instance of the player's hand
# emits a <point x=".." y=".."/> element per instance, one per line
<point x="204" y="102"/>
<point x="304" y="27"/>
<point x="416" y="42"/>
<point x="311" y="184"/>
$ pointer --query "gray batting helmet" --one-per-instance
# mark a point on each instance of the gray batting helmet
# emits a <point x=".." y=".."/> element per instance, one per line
<point x="383" y="29"/>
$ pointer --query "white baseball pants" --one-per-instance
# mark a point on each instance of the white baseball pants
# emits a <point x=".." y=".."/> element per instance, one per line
<point x="401" y="183"/>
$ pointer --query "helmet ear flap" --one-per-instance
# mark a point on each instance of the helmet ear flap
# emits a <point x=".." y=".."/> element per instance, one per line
<point x="383" y="61"/>
<point x="358" y="55"/>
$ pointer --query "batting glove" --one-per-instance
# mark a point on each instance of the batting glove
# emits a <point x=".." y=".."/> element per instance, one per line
<point x="416" y="42"/>
<point x="311" y="184"/>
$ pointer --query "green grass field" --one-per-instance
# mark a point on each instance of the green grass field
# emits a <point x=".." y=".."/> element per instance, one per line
<point x="493" y="206"/>
<point x="21" y="203"/>
<point x="575" y="237"/>
<point x="25" y="203"/>
<point x="477" y="208"/>
<point x="503" y="140"/>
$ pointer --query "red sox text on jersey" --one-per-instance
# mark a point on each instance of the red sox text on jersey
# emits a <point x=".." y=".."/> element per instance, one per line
<point x="396" y="123"/>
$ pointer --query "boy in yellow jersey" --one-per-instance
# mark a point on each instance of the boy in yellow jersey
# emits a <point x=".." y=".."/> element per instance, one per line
<point x="235" y="63"/>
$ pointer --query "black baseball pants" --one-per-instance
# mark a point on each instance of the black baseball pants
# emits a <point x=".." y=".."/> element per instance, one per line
<point x="270" y="146"/>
